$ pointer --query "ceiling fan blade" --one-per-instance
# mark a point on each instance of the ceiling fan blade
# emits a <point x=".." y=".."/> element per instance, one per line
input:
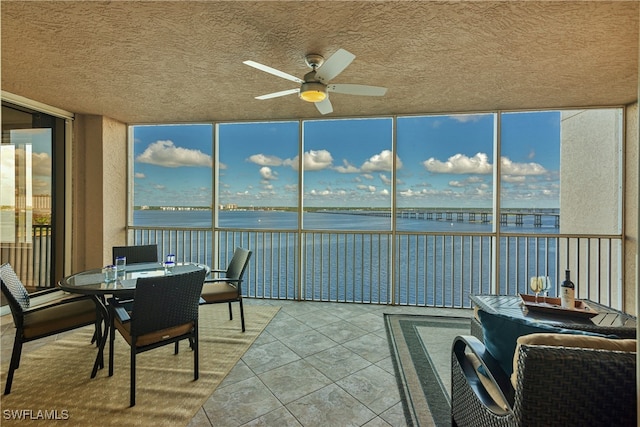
<point x="324" y="106"/>
<point x="334" y="65"/>
<point x="277" y="94"/>
<point x="273" y="71"/>
<point x="351" y="89"/>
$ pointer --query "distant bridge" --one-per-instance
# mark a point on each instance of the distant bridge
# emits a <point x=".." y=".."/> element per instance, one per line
<point x="484" y="216"/>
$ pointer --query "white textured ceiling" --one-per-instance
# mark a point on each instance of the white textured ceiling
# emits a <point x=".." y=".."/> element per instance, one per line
<point x="158" y="61"/>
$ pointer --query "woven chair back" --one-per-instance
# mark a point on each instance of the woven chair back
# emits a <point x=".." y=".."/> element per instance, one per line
<point x="13" y="289"/>
<point x="136" y="254"/>
<point x="238" y="264"/>
<point x="166" y="301"/>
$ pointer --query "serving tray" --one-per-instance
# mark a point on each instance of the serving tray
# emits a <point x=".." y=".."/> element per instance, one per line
<point x="554" y="306"/>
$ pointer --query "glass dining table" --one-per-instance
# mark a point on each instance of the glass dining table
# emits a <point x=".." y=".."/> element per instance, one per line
<point x="94" y="282"/>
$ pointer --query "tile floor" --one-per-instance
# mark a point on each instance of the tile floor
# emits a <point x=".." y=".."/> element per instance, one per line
<point x="316" y="364"/>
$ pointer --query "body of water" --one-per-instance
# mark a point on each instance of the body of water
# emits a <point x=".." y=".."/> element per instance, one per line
<point x="432" y="270"/>
<point x="281" y="220"/>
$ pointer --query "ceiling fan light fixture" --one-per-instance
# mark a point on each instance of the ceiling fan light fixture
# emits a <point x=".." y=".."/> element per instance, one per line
<point x="313" y="92"/>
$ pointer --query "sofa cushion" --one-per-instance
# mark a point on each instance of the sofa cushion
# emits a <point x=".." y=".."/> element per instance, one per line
<point x="570" y="340"/>
<point x="501" y="334"/>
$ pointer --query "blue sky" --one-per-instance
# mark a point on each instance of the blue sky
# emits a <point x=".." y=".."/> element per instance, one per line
<point x="441" y="161"/>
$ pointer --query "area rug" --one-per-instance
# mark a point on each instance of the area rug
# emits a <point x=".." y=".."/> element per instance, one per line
<point x="52" y="385"/>
<point x="421" y="351"/>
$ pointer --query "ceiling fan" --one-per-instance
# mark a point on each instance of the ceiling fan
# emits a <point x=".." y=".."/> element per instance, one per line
<point x="315" y="86"/>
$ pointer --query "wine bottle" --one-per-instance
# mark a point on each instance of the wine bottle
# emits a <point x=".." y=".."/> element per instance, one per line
<point x="567" y="292"/>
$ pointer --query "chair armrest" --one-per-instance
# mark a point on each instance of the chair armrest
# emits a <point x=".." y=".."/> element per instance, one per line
<point x="44" y="292"/>
<point x="122" y="314"/>
<point x="223" y="279"/>
<point x="118" y="308"/>
<point x="492" y="369"/>
<point x="213" y="270"/>
<point x="54" y="303"/>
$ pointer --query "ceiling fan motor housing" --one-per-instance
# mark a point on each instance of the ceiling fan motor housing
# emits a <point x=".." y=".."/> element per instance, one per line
<point x="313" y="91"/>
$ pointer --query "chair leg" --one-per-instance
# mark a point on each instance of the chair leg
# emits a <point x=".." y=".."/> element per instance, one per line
<point x="230" y="312"/>
<point x="132" y="391"/>
<point x="241" y="315"/>
<point x="15" y="362"/>
<point x="196" y="359"/>
<point x="175" y="351"/>
<point x="112" y="341"/>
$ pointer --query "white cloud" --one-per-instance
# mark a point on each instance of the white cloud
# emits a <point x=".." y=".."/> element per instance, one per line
<point x="479" y="164"/>
<point x="367" y="176"/>
<point x="326" y="192"/>
<point x="384" y="192"/>
<point x="265" y="160"/>
<point x="464" y="118"/>
<point x="317" y="160"/>
<point x="512" y="178"/>
<point x="165" y="153"/>
<point x="460" y="164"/>
<point x="313" y="160"/>
<point x="511" y="168"/>
<point x="139" y="175"/>
<point x="346" y="168"/>
<point x="382" y="162"/>
<point x="385" y="179"/>
<point x="267" y="173"/>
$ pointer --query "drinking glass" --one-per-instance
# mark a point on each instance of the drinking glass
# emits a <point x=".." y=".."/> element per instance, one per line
<point x="170" y="263"/>
<point x="536" y="286"/>
<point x="121" y="265"/>
<point x="109" y="273"/>
<point x="546" y="285"/>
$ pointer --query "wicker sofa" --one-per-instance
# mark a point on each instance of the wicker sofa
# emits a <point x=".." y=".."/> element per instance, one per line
<point x="551" y="385"/>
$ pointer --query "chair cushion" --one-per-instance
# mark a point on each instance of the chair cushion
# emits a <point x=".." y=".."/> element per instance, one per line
<point x="501" y="333"/>
<point x="219" y="292"/>
<point x="153" y="337"/>
<point x="44" y="321"/>
<point x="570" y="340"/>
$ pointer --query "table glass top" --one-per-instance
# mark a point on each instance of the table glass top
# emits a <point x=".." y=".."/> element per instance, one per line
<point x="94" y="281"/>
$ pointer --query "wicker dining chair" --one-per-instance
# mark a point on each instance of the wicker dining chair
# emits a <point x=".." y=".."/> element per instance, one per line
<point x="164" y="310"/>
<point x="228" y="288"/>
<point x="136" y="254"/>
<point x="60" y="313"/>
<point x="555" y="386"/>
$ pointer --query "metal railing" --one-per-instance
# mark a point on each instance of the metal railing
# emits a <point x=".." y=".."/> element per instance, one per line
<point x="402" y="268"/>
<point x="31" y="260"/>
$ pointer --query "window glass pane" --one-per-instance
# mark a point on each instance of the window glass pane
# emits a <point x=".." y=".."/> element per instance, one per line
<point x="530" y="172"/>
<point x="27" y="231"/>
<point x="445" y="182"/>
<point x="347" y="170"/>
<point x="172" y="175"/>
<point x="258" y="175"/>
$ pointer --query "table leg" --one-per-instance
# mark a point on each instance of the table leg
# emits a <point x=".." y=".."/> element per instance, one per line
<point x="99" y="362"/>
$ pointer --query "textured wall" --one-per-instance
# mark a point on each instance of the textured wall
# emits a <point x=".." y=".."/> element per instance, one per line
<point x="631" y="208"/>
<point x="99" y="190"/>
